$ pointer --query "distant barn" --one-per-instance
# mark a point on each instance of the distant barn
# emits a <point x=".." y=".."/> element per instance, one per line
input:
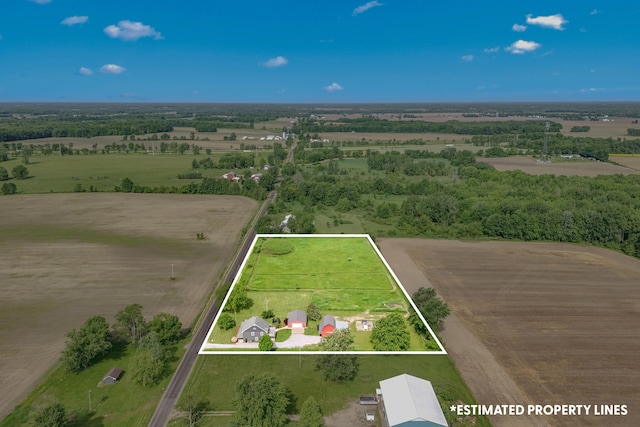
<point x="112" y="376"/>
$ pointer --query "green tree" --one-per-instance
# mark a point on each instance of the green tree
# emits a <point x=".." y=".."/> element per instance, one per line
<point x="9" y="188"/>
<point x="226" y="322"/>
<point x="260" y="401"/>
<point x="167" y="326"/>
<point x="54" y="415"/>
<point x="146" y="369"/>
<point x="310" y="414"/>
<point x="432" y="308"/>
<point x="20" y="172"/>
<point x="26" y="155"/>
<point x="238" y="301"/>
<point x="391" y="334"/>
<point x="265" y="343"/>
<point x="130" y="324"/>
<point x="126" y="186"/>
<point x="85" y="344"/>
<point x="313" y="312"/>
<point x="338" y="367"/>
<point x="4" y="175"/>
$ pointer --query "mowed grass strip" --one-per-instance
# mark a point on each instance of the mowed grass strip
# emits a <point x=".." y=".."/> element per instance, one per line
<point x="333" y="280"/>
<point x="359" y="301"/>
<point x="323" y="255"/>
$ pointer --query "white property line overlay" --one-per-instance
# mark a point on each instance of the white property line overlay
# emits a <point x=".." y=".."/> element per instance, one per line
<point x="287" y="352"/>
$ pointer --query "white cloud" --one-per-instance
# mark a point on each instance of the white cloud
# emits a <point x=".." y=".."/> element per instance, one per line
<point x="112" y="69"/>
<point x="361" y="9"/>
<point x="591" y="89"/>
<point x="552" y="21"/>
<point x="278" y="61"/>
<point x="594" y="12"/>
<point x="41" y="1"/>
<point x="74" y="20"/>
<point x="467" y="58"/>
<point x="522" y="46"/>
<point x="84" y="71"/>
<point x="130" y="31"/>
<point x="333" y="87"/>
<point x="492" y="49"/>
<point x="519" y="28"/>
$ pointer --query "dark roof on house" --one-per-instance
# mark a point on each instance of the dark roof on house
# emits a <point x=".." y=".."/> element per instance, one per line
<point x="254" y="321"/>
<point x="327" y="320"/>
<point x="298" y="315"/>
<point x="114" y="373"/>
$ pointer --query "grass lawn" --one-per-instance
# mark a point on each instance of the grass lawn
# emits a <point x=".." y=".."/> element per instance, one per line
<point x="298" y="373"/>
<point x="122" y="404"/>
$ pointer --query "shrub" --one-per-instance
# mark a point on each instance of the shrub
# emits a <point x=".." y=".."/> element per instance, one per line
<point x="226" y="321"/>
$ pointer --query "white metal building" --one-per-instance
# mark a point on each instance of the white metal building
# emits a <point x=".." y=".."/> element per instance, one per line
<point x="409" y="401"/>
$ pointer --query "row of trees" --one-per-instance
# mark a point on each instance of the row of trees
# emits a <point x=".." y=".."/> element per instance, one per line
<point x="373" y="124"/>
<point x="18" y="172"/>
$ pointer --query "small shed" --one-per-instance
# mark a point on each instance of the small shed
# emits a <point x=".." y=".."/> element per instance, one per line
<point x="112" y="376"/>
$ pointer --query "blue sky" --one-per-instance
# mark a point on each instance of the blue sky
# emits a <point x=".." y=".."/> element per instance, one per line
<point x="321" y="51"/>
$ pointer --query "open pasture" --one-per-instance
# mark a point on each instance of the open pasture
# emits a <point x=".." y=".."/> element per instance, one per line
<point x="535" y="323"/>
<point x="55" y="174"/>
<point x="532" y="166"/>
<point x="67" y="257"/>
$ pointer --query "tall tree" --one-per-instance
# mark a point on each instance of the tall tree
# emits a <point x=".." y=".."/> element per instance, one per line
<point x="338" y="367"/>
<point x="391" y="334"/>
<point x="310" y="414"/>
<point x="432" y="308"/>
<point x="20" y="172"/>
<point x="130" y="324"/>
<point x="260" y="401"/>
<point x="167" y="326"/>
<point x="193" y="409"/>
<point x="86" y="343"/>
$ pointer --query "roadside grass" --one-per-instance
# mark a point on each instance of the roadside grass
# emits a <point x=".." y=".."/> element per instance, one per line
<point x="122" y="404"/>
<point x="55" y="174"/>
<point x="298" y="373"/>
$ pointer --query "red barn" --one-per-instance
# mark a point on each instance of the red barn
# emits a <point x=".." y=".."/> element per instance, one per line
<point x="327" y="325"/>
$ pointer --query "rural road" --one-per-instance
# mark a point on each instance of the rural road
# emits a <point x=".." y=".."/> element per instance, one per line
<point x="172" y="393"/>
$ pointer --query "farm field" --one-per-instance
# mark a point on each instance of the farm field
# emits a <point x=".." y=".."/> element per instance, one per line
<point x="54" y="174"/>
<point x="67" y="257"/>
<point x="630" y="161"/>
<point x="342" y="275"/>
<point x="534" y="323"/>
<point x="569" y="168"/>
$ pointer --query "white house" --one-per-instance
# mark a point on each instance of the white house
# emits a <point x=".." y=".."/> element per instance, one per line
<point x="410" y="401"/>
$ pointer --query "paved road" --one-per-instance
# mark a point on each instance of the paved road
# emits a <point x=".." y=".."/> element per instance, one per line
<point x="170" y="397"/>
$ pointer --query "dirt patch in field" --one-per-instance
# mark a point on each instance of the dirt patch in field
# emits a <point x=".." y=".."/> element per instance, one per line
<point x="534" y="323"/>
<point x="354" y="415"/>
<point x="532" y="166"/>
<point x="67" y="257"/>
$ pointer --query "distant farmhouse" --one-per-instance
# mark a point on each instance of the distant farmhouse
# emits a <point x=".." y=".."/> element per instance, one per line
<point x="252" y="329"/>
<point x="410" y="401"/>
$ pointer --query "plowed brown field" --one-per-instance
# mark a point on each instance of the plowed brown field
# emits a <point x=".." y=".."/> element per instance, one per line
<point x="67" y="257"/>
<point x="535" y="323"/>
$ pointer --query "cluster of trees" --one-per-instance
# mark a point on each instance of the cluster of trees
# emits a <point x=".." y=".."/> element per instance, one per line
<point x="262" y="401"/>
<point x="391" y="333"/>
<point x="20" y="129"/>
<point x="151" y="339"/>
<point x="580" y="129"/>
<point x="236" y="161"/>
<point x="377" y="125"/>
<point x="433" y="309"/>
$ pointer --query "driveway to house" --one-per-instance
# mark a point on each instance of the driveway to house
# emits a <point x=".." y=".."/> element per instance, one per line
<point x="298" y="340"/>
